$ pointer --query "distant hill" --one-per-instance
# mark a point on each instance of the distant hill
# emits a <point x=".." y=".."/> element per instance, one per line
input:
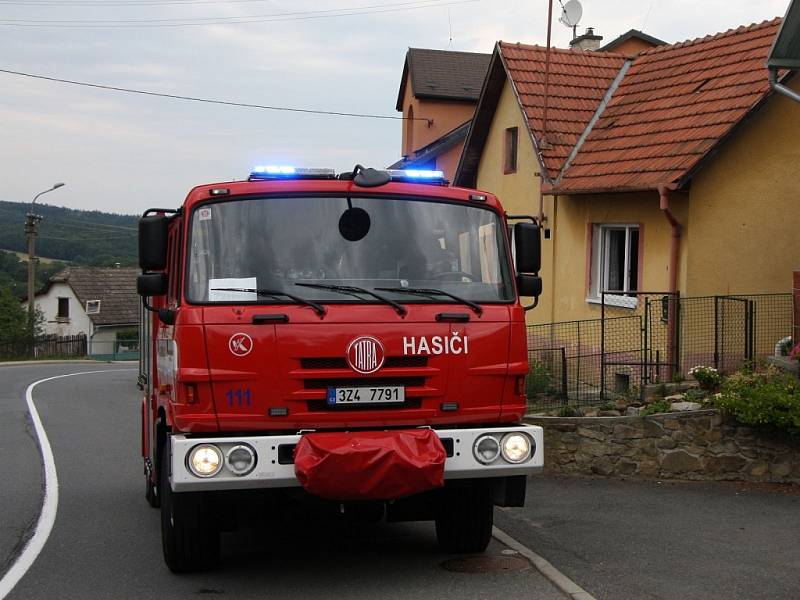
<point x="80" y="236"/>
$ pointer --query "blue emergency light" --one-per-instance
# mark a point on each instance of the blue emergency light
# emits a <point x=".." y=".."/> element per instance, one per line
<point x="418" y="176"/>
<point x="266" y="172"/>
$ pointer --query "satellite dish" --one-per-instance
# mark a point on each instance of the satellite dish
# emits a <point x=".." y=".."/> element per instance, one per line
<point x="571" y="13"/>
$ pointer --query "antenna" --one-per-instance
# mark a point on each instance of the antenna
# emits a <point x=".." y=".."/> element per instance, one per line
<point x="571" y="14"/>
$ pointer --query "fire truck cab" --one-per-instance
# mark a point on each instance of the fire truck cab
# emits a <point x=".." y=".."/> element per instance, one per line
<point x="354" y="341"/>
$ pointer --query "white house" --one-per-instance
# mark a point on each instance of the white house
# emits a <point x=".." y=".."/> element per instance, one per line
<point x="95" y="301"/>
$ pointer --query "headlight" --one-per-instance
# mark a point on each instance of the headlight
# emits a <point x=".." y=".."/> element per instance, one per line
<point x="241" y="460"/>
<point x="205" y="460"/>
<point x="486" y="449"/>
<point x="516" y="447"/>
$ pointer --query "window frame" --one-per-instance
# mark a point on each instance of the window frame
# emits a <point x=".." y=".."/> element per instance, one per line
<point x="92" y="312"/>
<point x="599" y="265"/>
<point x="62" y="318"/>
<point x="510" y="150"/>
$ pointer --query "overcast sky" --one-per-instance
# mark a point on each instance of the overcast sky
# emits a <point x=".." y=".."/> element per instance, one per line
<point x="123" y="153"/>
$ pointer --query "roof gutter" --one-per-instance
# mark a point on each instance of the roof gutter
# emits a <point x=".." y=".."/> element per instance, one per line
<point x="779" y="87"/>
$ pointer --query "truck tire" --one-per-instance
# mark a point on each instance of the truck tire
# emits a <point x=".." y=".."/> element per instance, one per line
<point x="189" y="538"/>
<point x="464" y="519"/>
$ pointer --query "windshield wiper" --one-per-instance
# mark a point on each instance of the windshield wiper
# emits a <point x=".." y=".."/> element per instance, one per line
<point x="351" y="289"/>
<point x="433" y="292"/>
<point x="320" y="310"/>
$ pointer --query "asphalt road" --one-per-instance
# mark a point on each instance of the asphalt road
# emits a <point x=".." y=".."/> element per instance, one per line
<point x="106" y="542"/>
<point x="618" y="540"/>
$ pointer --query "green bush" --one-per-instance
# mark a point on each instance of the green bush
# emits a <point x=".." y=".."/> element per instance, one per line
<point x="540" y="380"/>
<point x="659" y="406"/>
<point x="568" y="411"/>
<point x="769" y="398"/>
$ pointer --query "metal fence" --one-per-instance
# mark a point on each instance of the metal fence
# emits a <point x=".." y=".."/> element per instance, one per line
<point x="650" y="338"/>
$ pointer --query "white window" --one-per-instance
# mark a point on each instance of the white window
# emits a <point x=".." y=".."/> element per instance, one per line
<point x="92" y="307"/>
<point x="615" y="264"/>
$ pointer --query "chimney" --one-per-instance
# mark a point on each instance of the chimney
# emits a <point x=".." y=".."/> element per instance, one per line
<point x="587" y="41"/>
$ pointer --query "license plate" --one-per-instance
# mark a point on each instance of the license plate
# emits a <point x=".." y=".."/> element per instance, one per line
<point x="366" y="395"/>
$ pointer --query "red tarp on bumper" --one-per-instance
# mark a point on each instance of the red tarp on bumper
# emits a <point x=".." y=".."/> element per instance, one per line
<point x="370" y="465"/>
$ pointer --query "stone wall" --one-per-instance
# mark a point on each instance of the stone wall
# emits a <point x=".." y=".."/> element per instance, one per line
<point x="692" y="445"/>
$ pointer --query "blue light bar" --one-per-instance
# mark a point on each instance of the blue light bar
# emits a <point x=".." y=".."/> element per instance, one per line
<point x="417" y="175"/>
<point x="273" y="170"/>
<point x="264" y="172"/>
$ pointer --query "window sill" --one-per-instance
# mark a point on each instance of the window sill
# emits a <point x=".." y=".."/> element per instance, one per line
<point x="617" y="301"/>
<point x="62" y="319"/>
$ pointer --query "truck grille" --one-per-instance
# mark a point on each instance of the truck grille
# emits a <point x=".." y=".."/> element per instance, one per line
<point x="337" y="362"/>
<point x="323" y="384"/>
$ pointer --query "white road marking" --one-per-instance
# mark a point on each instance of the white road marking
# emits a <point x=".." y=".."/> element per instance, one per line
<point x="557" y="578"/>
<point x="47" y="516"/>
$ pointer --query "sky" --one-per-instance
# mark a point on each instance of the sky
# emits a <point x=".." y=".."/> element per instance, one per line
<point x="124" y="153"/>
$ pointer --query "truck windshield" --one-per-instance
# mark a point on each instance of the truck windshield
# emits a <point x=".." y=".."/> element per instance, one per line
<point x="239" y="246"/>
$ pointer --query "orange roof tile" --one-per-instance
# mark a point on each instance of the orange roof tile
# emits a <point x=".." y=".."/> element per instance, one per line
<point x="578" y="81"/>
<point x="675" y="103"/>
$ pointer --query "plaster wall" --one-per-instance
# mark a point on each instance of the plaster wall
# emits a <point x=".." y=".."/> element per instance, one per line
<point x="77" y="323"/>
<point x="743" y="208"/>
<point x="572" y="221"/>
<point x="446" y="116"/>
<point x="519" y="191"/>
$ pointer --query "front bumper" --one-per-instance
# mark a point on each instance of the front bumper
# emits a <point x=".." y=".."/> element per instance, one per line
<point x="274" y="468"/>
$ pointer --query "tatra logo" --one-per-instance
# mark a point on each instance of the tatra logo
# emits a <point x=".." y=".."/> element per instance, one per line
<point x="240" y="344"/>
<point x="365" y="355"/>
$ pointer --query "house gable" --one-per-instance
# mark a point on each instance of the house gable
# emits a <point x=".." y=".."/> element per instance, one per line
<point x="743" y="217"/>
<point x="519" y="191"/>
<point x="577" y="83"/>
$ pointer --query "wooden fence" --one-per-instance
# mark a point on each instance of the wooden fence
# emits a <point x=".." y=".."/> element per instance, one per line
<point x="46" y="346"/>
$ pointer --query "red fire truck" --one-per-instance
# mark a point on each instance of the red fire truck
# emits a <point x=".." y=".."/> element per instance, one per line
<point x="352" y="340"/>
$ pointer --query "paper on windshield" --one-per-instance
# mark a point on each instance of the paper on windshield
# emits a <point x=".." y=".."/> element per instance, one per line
<point x="215" y="295"/>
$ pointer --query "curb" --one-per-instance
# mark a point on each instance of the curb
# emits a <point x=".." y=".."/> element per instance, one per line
<point x="564" y="584"/>
<point x="23" y="363"/>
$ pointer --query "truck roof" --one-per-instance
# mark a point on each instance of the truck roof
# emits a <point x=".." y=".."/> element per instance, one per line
<point x="204" y="192"/>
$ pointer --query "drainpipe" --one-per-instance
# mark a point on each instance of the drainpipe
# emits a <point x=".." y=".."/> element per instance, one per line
<point x="780" y="88"/>
<point x="674" y="255"/>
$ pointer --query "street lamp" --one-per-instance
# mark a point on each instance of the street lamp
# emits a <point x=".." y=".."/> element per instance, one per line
<point x="31" y="220"/>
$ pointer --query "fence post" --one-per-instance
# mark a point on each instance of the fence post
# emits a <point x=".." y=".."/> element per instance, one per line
<point x="716" y="332"/>
<point x="564" y="373"/>
<point x="602" y="345"/>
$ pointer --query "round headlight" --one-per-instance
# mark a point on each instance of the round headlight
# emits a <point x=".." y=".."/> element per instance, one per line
<point x="486" y="449"/>
<point x="205" y="460"/>
<point x="516" y="447"/>
<point x="241" y="460"/>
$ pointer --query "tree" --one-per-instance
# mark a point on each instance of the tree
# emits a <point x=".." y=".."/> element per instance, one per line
<point x="13" y="317"/>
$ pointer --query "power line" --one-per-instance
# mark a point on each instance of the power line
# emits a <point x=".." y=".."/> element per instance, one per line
<point x="212" y="101"/>
<point x="280" y="14"/>
<point x="105" y="3"/>
<point x="236" y="20"/>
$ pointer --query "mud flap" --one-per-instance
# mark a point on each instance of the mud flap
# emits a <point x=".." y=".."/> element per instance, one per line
<point x="370" y="465"/>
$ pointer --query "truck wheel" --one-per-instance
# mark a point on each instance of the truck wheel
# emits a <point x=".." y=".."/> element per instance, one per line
<point x="464" y="520"/>
<point x="189" y="538"/>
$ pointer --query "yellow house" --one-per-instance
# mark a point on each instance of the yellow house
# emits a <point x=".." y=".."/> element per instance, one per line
<point x="672" y="170"/>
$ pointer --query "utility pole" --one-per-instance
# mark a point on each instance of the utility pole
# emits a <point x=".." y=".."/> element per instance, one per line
<point x="31" y="220"/>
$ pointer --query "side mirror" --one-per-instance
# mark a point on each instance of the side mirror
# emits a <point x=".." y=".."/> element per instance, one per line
<point x="153" y="243"/>
<point x="529" y="285"/>
<point x="528" y="248"/>
<point x="152" y="284"/>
